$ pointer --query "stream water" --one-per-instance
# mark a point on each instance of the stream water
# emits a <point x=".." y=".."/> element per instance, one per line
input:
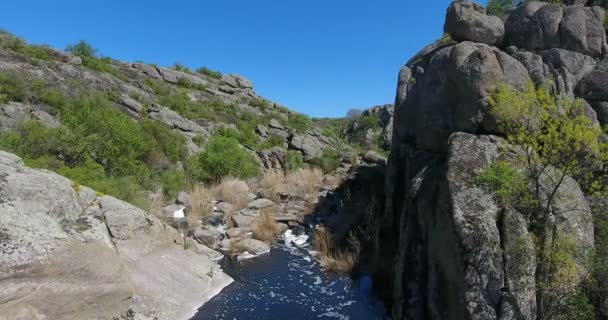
<point x="289" y="284"/>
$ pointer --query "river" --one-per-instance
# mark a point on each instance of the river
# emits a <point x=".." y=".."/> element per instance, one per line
<point x="287" y="283"/>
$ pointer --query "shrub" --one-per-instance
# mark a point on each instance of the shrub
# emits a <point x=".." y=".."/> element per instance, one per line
<point x="110" y="137"/>
<point x="12" y="87"/>
<point x="265" y="228"/>
<point x="501" y="178"/>
<point x="499" y="7"/>
<point x="223" y="156"/>
<point x="208" y="72"/>
<point x="173" y="182"/>
<point x="329" y="161"/>
<point x="180" y="67"/>
<point x="294" y="160"/>
<point x="103" y="65"/>
<point x="82" y="49"/>
<point x="274" y="140"/>
<point x="172" y="144"/>
<point x="300" y="122"/>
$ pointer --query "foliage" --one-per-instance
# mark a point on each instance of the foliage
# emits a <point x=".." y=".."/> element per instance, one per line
<point x="499" y="7"/>
<point x="12" y="87"/>
<point x="329" y="161"/>
<point x="446" y="39"/>
<point x="555" y="139"/>
<point x="174" y="181"/>
<point x="274" y="140"/>
<point x="180" y="67"/>
<point x="508" y="184"/>
<point x="170" y="143"/>
<point x="82" y="49"/>
<point x="103" y="65"/>
<point x="208" y="72"/>
<point x="223" y="156"/>
<point x="294" y="160"/>
<point x="18" y="45"/>
<point x="300" y="122"/>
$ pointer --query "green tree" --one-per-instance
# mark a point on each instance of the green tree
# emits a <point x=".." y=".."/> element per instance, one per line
<point x="556" y="140"/>
<point x="499" y="7"/>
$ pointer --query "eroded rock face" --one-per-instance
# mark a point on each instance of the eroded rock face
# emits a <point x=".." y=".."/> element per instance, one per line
<point x="539" y="26"/>
<point x="67" y="253"/>
<point x="469" y="21"/>
<point x="450" y="93"/>
<point x="457" y="257"/>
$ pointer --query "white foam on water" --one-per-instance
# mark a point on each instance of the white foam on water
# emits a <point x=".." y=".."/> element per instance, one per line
<point x="318" y="280"/>
<point x="292" y="239"/>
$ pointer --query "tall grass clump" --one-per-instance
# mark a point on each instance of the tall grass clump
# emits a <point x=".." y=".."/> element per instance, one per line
<point x="201" y="205"/>
<point x="265" y="228"/>
<point x="234" y="191"/>
<point x="330" y="256"/>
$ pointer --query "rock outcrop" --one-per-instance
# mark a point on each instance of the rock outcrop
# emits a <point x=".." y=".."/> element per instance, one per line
<point x="69" y="253"/>
<point x="459" y="253"/>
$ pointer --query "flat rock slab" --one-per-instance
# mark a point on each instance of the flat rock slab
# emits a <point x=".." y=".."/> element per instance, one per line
<point x="261" y="204"/>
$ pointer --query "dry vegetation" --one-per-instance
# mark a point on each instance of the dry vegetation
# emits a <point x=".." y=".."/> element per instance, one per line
<point x="302" y="183"/>
<point x="156" y="201"/>
<point x="266" y="228"/>
<point x="305" y="181"/>
<point x="236" y="247"/>
<point x="234" y="191"/>
<point x="201" y="205"/>
<point x="331" y="257"/>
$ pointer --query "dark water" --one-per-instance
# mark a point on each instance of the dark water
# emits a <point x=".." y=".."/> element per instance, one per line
<point x="288" y="284"/>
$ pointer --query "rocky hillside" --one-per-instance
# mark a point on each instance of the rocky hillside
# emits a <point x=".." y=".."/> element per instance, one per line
<point x="126" y="127"/>
<point x="460" y="252"/>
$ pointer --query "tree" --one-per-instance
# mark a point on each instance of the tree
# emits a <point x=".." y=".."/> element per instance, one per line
<point x="499" y="7"/>
<point x="82" y="49"/>
<point x="556" y="140"/>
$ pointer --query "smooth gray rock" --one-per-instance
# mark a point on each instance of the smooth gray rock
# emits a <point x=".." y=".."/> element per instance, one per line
<point x="174" y="120"/>
<point x="273" y="158"/>
<point x="261" y="204"/>
<point x="594" y="86"/>
<point x="253" y="246"/>
<point x="374" y="158"/>
<point x="468" y="21"/>
<point x="237" y="81"/>
<point x="148" y="70"/>
<point x="208" y="236"/>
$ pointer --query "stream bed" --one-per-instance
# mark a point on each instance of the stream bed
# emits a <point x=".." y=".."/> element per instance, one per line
<point x="287" y="283"/>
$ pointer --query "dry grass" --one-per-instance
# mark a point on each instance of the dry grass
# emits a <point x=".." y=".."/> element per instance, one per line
<point x="305" y="181"/>
<point x="236" y="247"/>
<point x="157" y="198"/>
<point x="201" y="205"/>
<point x="332" y="258"/>
<point x="265" y="227"/>
<point x="234" y="191"/>
<point x="273" y="182"/>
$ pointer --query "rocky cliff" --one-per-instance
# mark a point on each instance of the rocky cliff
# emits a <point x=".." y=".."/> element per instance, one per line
<point x="453" y="242"/>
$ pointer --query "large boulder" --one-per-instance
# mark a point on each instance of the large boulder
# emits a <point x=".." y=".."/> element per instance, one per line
<point x="539" y="26"/>
<point x="67" y="253"/>
<point x="594" y="86"/>
<point x="468" y="21"/>
<point x="311" y="144"/>
<point x="450" y="93"/>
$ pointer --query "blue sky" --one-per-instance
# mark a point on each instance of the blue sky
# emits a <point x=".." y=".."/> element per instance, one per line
<point x="319" y="57"/>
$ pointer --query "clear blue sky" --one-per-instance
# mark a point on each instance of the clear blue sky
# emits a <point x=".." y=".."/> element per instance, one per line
<point x="320" y="57"/>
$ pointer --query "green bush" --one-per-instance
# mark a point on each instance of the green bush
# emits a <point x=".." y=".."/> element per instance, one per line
<point x="180" y="67"/>
<point x="223" y="156"/>
<point x="18" y="45"/>
<point x="82" y="49"/>
<point x="329" y="161"/>
<point x="12" y="87"/>
<point x="173" y="182"/>
<point x="170" y="143"/>
<point x="499" y="7"/>
<point x="294" y="160"/>
<point x="504" y="180"/>
<point x="208" y="72"/>
<point x="110" y="137"/>
<point x="103" y="65"/>
<point x="274" y="140"/>
<point x="301" y="123"/>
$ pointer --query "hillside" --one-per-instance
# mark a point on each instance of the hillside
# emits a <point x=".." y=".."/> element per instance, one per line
<point x="127" y="127"/>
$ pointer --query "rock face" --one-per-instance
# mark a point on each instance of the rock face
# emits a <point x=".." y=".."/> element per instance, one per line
<point x="468" y="21"/>
<point x="538" y="26"/>
<point x="103" y="255"/>
<point x="459" y="253"/>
